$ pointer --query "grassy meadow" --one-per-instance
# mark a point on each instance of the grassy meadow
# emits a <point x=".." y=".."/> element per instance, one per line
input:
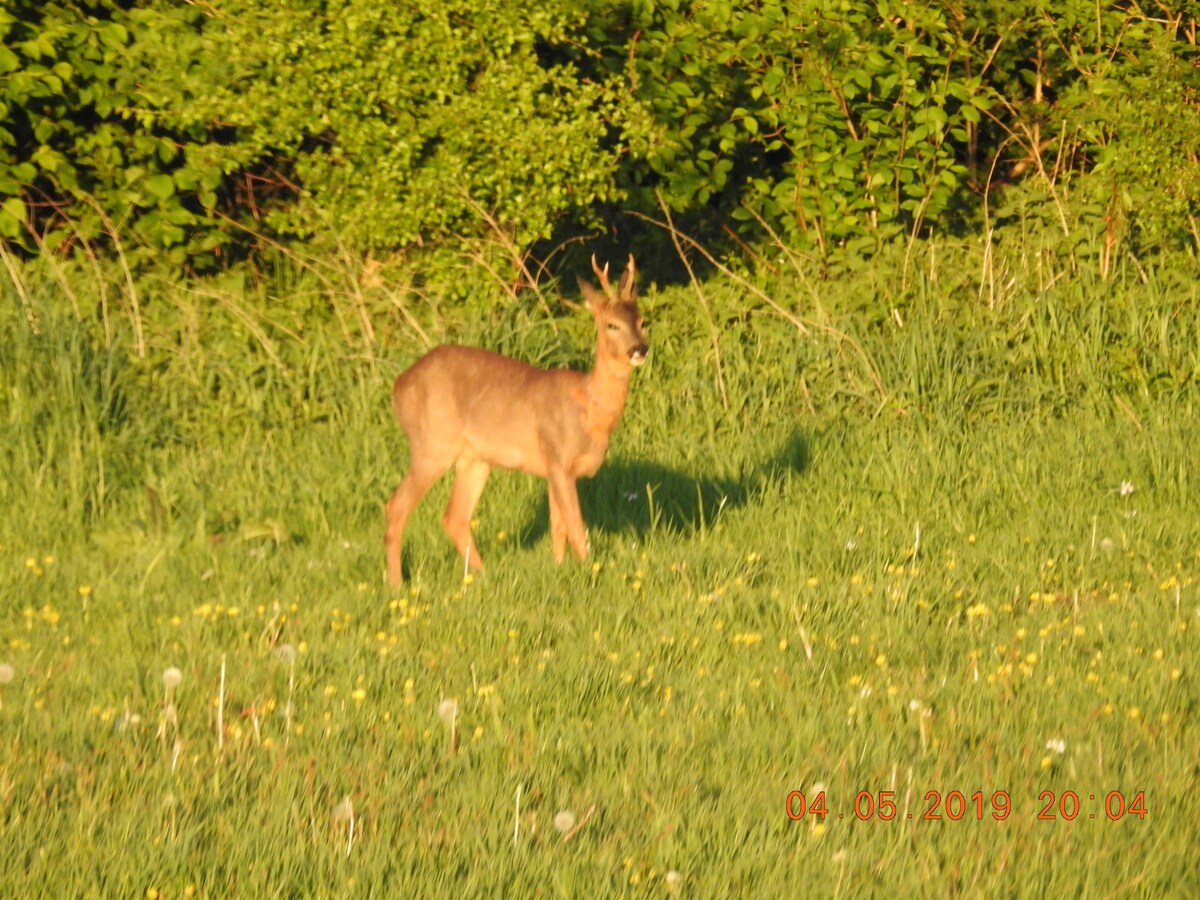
<point x="924" y="551"/>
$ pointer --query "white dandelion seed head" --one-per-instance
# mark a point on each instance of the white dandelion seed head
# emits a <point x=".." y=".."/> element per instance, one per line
<point x="841" y="856"/>
<point x="673" y="879"/>
<point x="1126" y="488"/>
<point x="344" y="811"/>
<point x="286" y="653"/>
<point x="127" y="720"/>
<point x="171" y="678"/>
<point x="1058" y="745"/>
<point x="864" y="691"/>
<point x="1107" y="545"/>
<point x="817" y="788"/>
<point x="447" y="710"/>
<point x="7" y="673"/>
<point x="914" y="704"/>
<point x="564" y="821"/>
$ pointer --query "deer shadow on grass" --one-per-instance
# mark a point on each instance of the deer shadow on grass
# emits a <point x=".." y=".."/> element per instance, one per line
<point x="640" y="497"/>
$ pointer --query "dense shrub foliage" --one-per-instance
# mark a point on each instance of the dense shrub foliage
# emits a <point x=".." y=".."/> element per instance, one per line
<point x="189" y="132"/>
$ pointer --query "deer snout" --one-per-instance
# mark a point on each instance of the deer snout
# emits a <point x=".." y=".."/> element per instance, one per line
<point x="637" y="355"/>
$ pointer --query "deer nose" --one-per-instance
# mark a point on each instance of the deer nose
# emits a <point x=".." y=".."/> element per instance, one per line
<point x="637" y="355"/>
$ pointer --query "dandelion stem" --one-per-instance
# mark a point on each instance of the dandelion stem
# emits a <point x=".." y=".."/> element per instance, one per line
<point x="287" y="710"/>
<point x="221" y="709"/>
<point x="517" y="817"/>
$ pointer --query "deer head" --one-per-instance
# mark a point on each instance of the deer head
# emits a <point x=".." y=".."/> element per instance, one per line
<point x="615" y="311"/>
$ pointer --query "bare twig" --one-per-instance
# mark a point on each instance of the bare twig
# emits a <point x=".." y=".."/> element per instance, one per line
<point x="714" y="333"/>
<point x="579" y="825"/>
<point x="139" y="337"/>
<point x="18" y="283"/>
<point x="801" y="324"/>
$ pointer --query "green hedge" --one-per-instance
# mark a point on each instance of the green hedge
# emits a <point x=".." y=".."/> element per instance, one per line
<point x="192" y="133"/>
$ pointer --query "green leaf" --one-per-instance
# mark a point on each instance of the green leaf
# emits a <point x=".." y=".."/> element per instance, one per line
<point x="12" y="216"/>
<point x="161" y="186"/>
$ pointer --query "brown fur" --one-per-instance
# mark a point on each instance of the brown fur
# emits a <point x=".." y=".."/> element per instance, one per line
<point x="474" y="409"/>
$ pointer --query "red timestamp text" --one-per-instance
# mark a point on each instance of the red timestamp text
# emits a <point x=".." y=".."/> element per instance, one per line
<point x="979" y="806"/>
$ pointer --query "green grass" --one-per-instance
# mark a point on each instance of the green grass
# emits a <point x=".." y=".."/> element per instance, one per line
<point x="892" y="554"/>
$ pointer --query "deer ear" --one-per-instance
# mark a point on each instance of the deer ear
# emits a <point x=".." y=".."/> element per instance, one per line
<point x="595" y="298"/>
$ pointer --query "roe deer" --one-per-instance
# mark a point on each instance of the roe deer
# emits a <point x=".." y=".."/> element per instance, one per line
<point x="474" y="409"/>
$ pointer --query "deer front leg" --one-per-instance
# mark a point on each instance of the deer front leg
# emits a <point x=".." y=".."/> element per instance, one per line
<point x="568" y="524"/>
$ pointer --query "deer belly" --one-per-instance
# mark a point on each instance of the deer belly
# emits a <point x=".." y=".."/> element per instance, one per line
<point x="508" y="450"/>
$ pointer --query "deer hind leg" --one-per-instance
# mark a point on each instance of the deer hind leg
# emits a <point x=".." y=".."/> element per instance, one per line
<point x="566" y="519"/>
<point x="558" y="530"/>
<point x="470" y="478"/>
<point x="420" y="478"/>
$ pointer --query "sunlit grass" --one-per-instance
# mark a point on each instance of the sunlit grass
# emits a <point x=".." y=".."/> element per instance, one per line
<point x="982" y="582"/>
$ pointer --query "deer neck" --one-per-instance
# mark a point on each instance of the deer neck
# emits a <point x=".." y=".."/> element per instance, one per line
<point x="607" y="387"/>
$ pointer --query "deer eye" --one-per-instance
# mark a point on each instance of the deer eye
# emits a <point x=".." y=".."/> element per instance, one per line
<point x="613" y="326"/>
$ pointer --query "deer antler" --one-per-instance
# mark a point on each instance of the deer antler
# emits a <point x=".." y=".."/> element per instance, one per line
<point x="602" y="274"/>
